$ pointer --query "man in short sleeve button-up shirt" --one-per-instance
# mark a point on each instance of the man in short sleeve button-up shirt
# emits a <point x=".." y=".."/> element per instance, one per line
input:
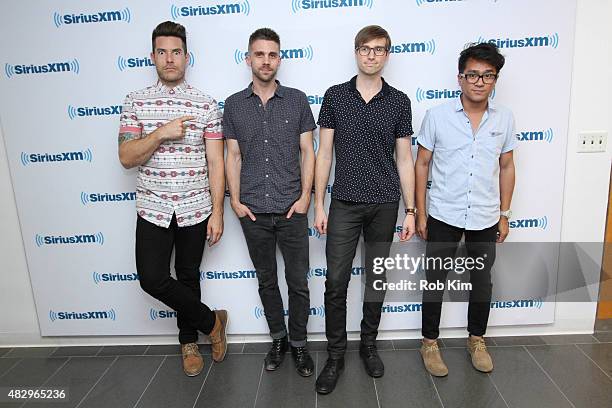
<point x="468" y="144"/>
<point x="172" y="133"/>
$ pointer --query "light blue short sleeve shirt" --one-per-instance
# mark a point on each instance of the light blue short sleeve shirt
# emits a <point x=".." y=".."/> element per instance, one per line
<point x="465" y="165"/>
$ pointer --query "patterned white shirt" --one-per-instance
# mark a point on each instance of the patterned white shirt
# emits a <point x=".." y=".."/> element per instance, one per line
<point x="175" y="179"/>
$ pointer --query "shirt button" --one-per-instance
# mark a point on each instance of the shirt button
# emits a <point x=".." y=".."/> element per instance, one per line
<point x="267" y="195"/>
<point x="266" y="159"/>
<point x="260" y="105"/>
<point x="470" y="173"/>
<point x="472" y="156"/>
<point x="469" y="206"/>
<point x="266" y="176"/>
<point x="266" y="141"/>
<point x="264" y="122"/>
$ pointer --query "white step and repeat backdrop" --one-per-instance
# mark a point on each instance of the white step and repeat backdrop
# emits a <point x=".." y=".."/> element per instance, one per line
<point x="68" y="65"/>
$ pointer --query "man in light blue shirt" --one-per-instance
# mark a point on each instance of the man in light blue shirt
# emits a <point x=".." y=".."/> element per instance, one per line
<point x="468" y="143"/>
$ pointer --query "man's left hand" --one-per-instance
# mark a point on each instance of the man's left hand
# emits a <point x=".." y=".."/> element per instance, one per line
<point x="408" y="227"/>
<point x="503" y="229"/>
<point x="214" y="230"/>
<point x="300" y="206"/>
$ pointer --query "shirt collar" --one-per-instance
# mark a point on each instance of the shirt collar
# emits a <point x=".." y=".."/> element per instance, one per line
<point x="459" y="105"/>
<point x="280" y="90"/>
<point x="180" y="88"/>
<point x="385" y="86"/>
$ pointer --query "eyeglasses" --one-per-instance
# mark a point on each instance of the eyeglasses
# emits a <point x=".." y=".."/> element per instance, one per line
<point x="472" y="77"/>
<point x="365" y="50"/>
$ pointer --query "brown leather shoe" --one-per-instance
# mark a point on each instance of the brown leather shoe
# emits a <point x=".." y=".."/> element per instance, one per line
<point x="193" y="363"/>
<point x="218" y="336"/>
<point x="481" y="360"/>
<point x="433" y="359"/>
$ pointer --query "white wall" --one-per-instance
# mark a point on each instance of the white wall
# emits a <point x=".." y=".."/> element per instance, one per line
<point x="584" y="206"/>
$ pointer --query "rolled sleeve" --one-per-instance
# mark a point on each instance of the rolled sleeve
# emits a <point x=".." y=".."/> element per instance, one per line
<point x="128" y="122"/>
<point x="427" y="134"/>
<point x="214" y="123"/>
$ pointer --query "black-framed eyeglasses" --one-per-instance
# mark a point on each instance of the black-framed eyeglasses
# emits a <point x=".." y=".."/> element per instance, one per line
<point x="365" y="50"/>
<point x="472" y="77"/>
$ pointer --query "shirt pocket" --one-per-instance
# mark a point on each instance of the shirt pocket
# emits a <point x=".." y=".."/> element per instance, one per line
<point x="493" y="142"/>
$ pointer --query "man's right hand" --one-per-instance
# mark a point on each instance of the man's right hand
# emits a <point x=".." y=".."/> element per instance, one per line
<point x="320" y="222"/>
<point x="421" y="225"/>
<point x="175" y="129"/>
<point x="242" y="210"/>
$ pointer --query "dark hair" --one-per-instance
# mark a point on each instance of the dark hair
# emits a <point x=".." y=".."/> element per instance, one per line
<point x="372" y="32"/>
<point x="264" y="34"/>
<point x="485" y="52"/>
<point x="170" y="29"/>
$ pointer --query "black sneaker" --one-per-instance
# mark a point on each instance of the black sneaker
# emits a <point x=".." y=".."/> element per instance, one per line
<point x="303" y="362"/>
<point x="276" y="355"/>
<point x="373" y="364"/>
<point x="329" y="375"/>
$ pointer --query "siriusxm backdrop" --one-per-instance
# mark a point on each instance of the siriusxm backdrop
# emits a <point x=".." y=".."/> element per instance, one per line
<point x="69" y="64"/>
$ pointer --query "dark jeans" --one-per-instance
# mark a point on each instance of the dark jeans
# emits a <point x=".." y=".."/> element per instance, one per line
<point x="346" y="222"/>
<point x="291" y="234"/>
<point x="442" y="241"/>
<point x="153" y="251"/>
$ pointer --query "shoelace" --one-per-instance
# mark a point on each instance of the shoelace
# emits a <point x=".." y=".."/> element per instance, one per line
<point x="480" y="345"/>
<point x="277" y="345"/>
<point x="300" y="353"/>
<point x="429" y="348"/>
<point x="371" y="350"/>
<point x="190" y="349"/>
<point x="330" y="367"/>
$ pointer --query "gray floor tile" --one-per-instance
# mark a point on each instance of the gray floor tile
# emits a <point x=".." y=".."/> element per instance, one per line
<point x="235" y="348"/>
<point x="78" y="376"/>
<point x="603" y="325"/>
<point x="6" y="364"/>
<point x="3" y="351"/>
<point x="601" y="354"/>
<point x="569" y="339"/>
<point x="455" y="342"/>
<point x="465" y="387"/>
<point x="166" y="350"/>
<point x="580" y="380"/>
<point x="405" y="379"/>
<point x="604" y="337"/>
<point x="29" y="372"/>
<point x="123" y="384"/>
<point x="232" y="383"/>
<point x="259" y="348"/>
<point x="122" y="351"/>
<point x="76" y="351"/>
<point x="355" y="388"/>
<point x="407" y="344"/>
<point x="285" y="388"/>
<point x="171" y="387"/>
<point x="518" y="340"/>
<point x="521" y="382"/>
<point x="30" y="352"/>
<point x="353" y="345"/>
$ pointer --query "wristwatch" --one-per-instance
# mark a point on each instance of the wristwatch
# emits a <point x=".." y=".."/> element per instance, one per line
<point x="411" y="211"/>
<point x="507" y="214"/>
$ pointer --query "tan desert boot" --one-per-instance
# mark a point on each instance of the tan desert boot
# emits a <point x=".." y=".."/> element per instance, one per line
<point x="193" y="364"/>
<point x="218" y="336"/>
<point x="481" y="360"/>
<point x="433" y="359"/>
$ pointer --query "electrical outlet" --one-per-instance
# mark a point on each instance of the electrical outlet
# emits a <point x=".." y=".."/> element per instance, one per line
<point x="592" y="142"/>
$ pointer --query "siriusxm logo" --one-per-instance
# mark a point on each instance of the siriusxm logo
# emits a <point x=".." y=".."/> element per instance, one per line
<point x="434" y="94"/>
<point x="306" y="52"/>
<point x="428" y="47"/>
<point x="223" y="275"/>
<point x="49" y="68"/>
<point x="99" y="17"/>
<point x="307" y="5"/>
<point x="87" y="111"/>
<point x="541" y="223"/>
<point x="99" y="278"/>
<point x="313" y="311"/>
<point x="93" y="198"/>
<point x="124" y="63"/>
<point x="217" y="9"/>
<point x="322" y="272"/>
<point x="536" y="136"/>
<point x="513" y="304"/>
<point x="161" y="314"/>
<point x="97" y="238"/>
<point x="406" y="308"/>
<point x="315" y="99"/>
<point x="104" y="314"/>
<point x="421" y="2"/>
<point x="313" y="233"/>
<point x="551" y="40"/>
<point x="37" y="158"/>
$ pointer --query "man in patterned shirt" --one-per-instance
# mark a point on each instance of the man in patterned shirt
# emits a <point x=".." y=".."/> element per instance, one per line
<point x="172" y="132"/>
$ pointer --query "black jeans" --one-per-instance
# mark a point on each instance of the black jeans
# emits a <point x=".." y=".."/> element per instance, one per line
<point x="442" y="241"/>
<point x="291" y="234"/>
<point x="346" y="222"/>
<point x="153" y="251"/>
